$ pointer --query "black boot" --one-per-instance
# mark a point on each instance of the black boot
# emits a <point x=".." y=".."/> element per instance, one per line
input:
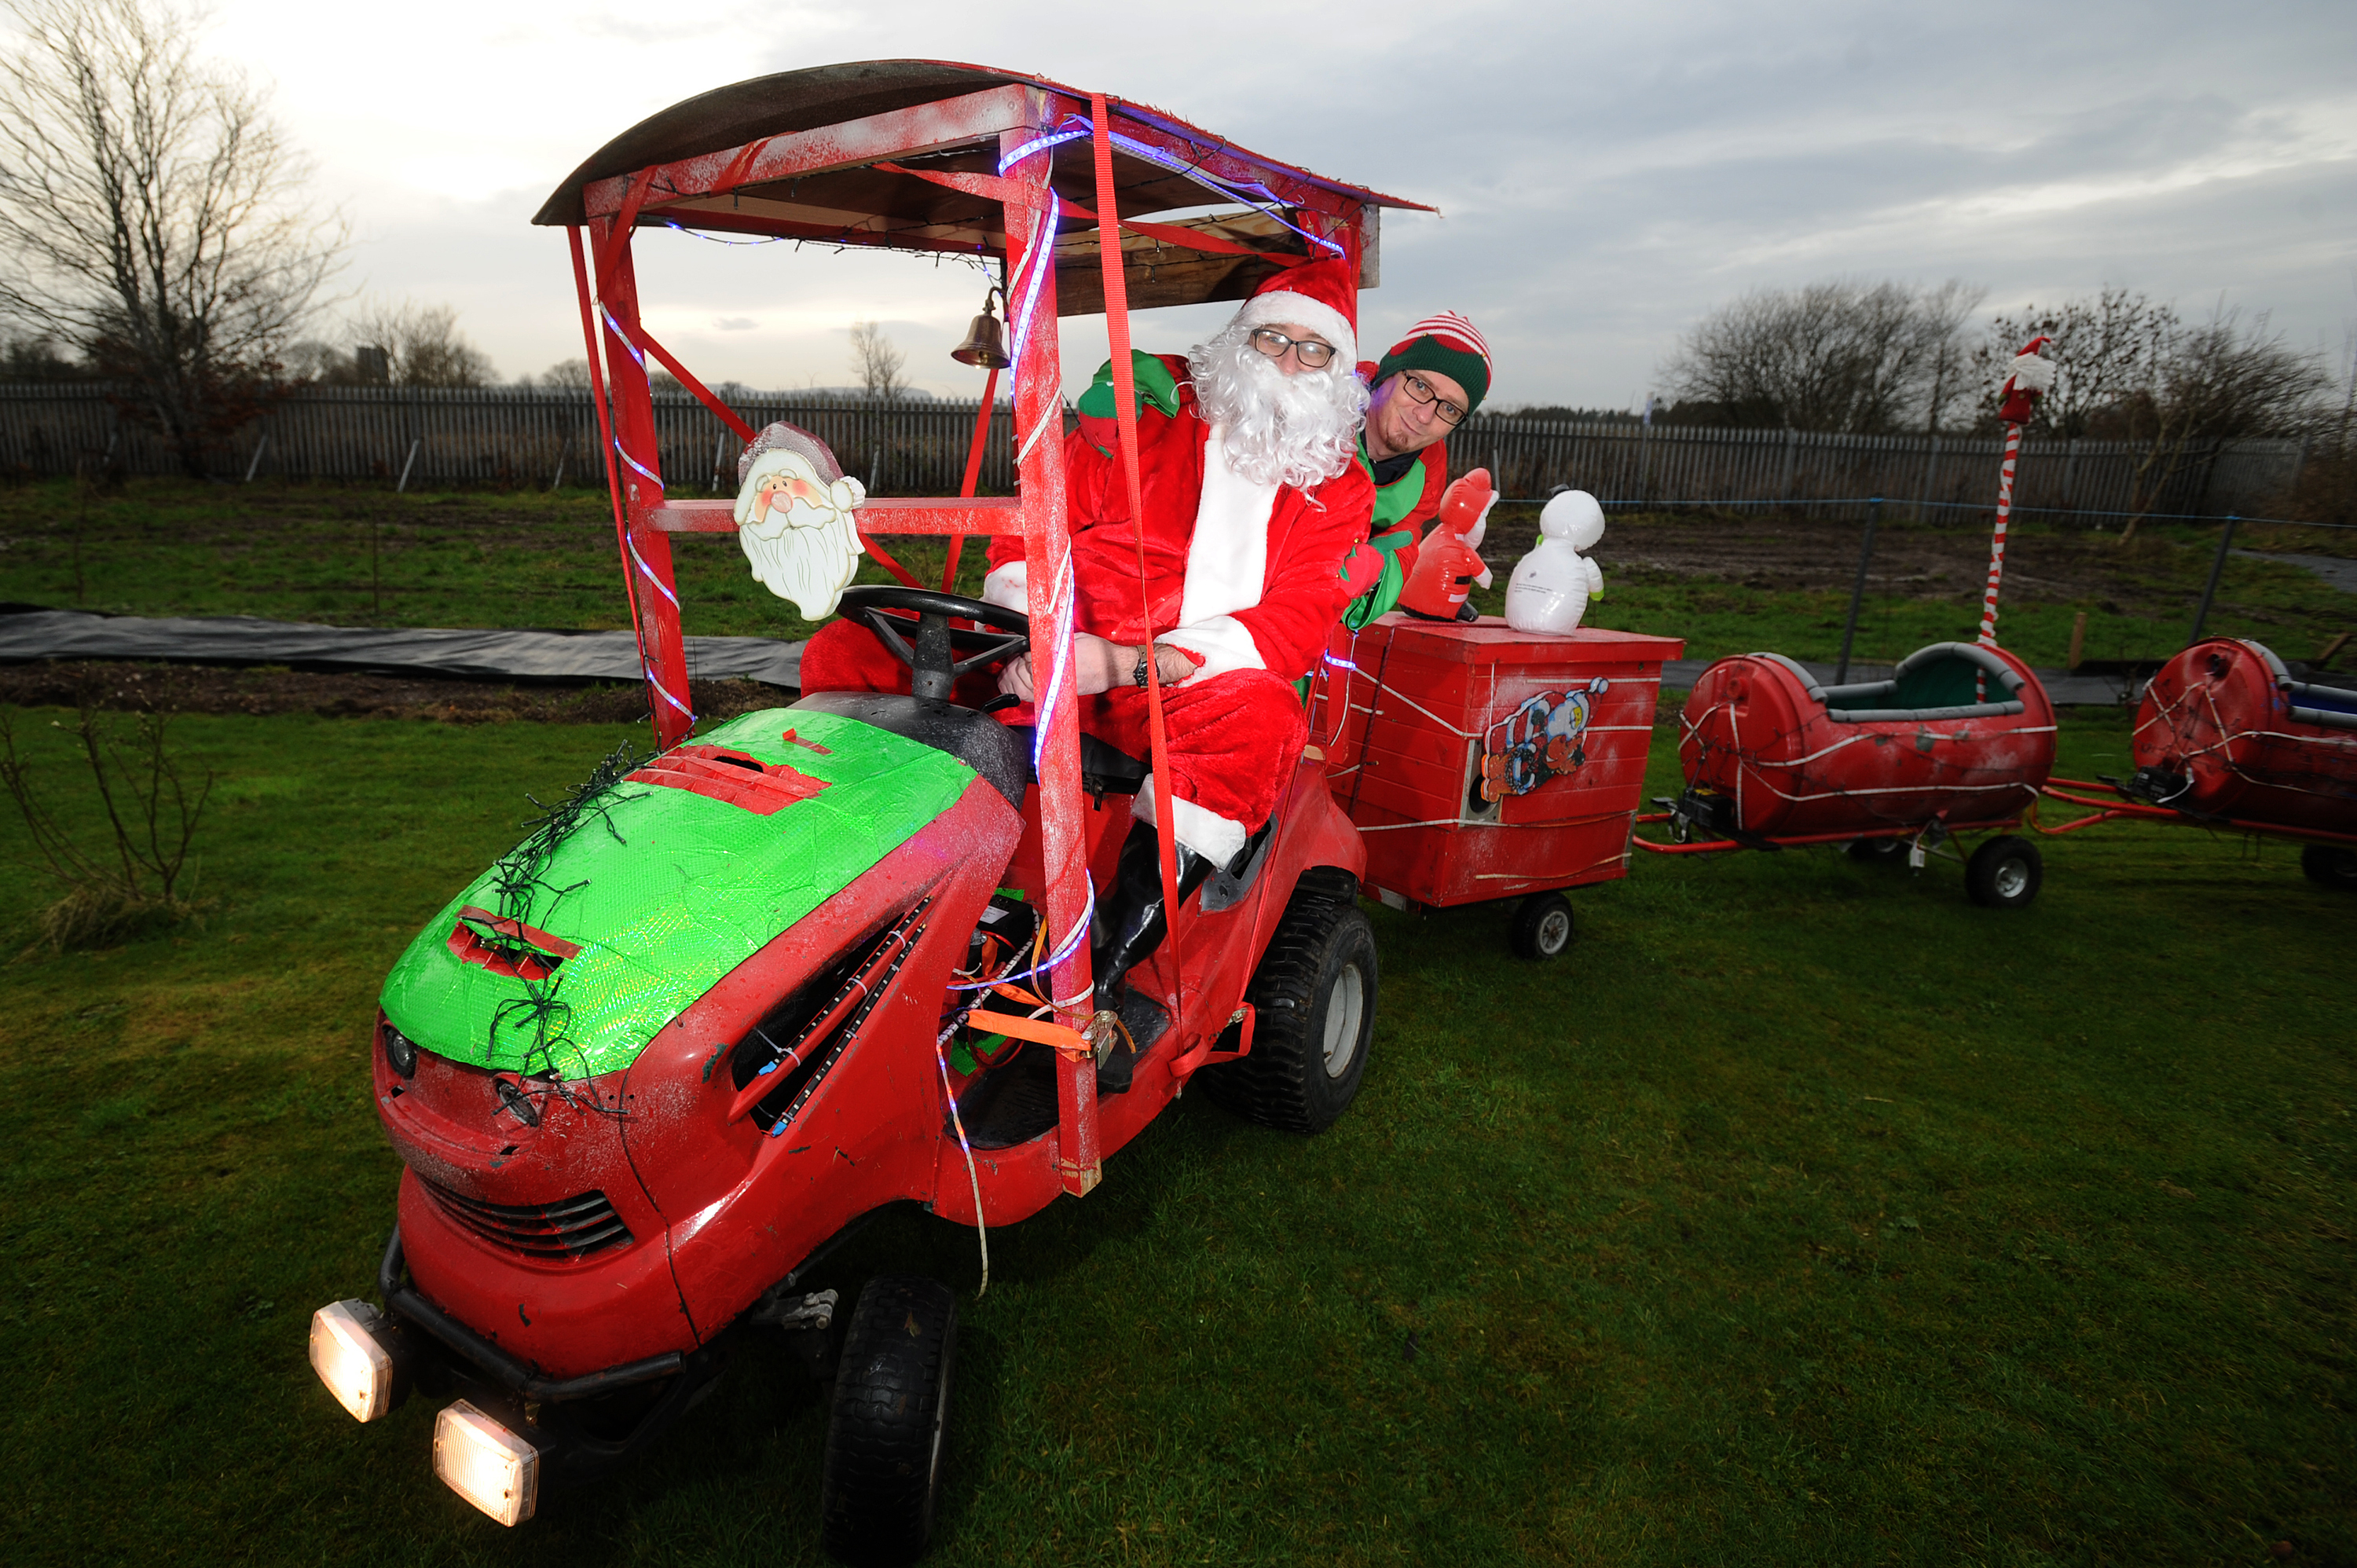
<point x="1130" y="924"/>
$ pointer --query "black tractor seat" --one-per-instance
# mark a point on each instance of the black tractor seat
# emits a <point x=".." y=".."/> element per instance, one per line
<point x="1105" y="770"/>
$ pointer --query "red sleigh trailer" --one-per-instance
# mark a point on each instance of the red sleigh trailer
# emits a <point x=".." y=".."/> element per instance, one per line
<point x="2226" y="737"/>
<point x="1961" y="738"/>
<point x="1483" y="763"/>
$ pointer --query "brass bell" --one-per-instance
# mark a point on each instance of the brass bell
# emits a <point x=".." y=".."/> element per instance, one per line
<point x="985" y="345"/>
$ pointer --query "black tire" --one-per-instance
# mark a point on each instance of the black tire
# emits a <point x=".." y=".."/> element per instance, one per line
<point x="884" y="1436"/>
<point x="1319" y="979"/>
<point x="1543" y="926"/>
<point x="1878" y="852"/>
<point x="2330" y="865"/>
<point x="2004" y="872"/>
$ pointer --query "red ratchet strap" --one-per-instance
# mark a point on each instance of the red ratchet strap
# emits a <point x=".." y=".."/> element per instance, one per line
<point x="997" y="187"/>
<point x="1125" y="401"/>
<point x="605" y="434"/>
<point x="972" y="473"/>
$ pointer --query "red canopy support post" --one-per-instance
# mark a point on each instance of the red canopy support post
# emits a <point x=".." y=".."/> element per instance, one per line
<point x="1047" y="557"/>
<point x="646" y="549"/>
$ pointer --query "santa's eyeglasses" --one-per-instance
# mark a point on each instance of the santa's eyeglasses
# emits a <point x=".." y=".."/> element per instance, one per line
<point x="1421" y="390"/>
<point x="1313" y="354"/>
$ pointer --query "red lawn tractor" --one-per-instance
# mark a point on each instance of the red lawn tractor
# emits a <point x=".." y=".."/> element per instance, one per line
<point x="725" y="1002"/>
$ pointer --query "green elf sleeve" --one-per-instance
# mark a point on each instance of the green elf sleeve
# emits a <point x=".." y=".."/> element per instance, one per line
<point x="1157" y="388"/>
<point x="1393" y="502"/>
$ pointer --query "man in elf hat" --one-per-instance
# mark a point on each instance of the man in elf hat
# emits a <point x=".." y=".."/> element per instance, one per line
<point x="1256" y="505"/>
<point x="1429" y="380"/>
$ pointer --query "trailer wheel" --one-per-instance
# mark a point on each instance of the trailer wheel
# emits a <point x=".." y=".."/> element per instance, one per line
<point x="2004" y="873"/>
<point x="1877" y="852"/>
<point x="2330" y="865"/>
<point x="883" y="1468"/>
<point x="1543" y="926"/>
<point x="1314" y="994"/>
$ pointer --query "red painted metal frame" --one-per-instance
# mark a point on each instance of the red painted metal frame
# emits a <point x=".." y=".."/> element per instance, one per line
<point x="2121" y="808"/>
<point x="1719" y="846"/>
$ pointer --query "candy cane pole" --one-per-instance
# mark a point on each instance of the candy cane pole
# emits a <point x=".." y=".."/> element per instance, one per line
<point x="2030" y="376"/>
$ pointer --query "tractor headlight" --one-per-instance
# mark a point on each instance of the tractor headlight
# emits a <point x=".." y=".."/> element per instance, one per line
<point x="485" y="1464"/>
<point x="346" y="1353"/>
<point x="399" y="1052"/>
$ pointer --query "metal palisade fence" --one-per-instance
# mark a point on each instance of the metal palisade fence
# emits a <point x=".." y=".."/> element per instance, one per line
<point x="520" y="435"/>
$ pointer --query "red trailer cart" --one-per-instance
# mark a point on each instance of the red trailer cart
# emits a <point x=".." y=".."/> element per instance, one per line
<point x="1959" y="739"/>
<point x="2225" y="738"/>
<point x="1482" y="763"/>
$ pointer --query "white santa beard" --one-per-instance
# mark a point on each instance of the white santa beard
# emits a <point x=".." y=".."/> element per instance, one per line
<point x="1298" y="429"/>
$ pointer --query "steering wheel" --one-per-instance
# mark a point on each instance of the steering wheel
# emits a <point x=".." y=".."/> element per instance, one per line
<point x="933" y="668"/>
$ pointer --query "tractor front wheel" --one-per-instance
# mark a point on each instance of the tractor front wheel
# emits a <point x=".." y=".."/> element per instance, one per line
<point x="883" y="1471"/>
<point x="2004" y="873"/>
<point x="1314" y="997"/>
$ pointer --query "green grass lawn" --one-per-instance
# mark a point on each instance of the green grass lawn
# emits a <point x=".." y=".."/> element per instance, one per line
<point x="1802" y="1213"/>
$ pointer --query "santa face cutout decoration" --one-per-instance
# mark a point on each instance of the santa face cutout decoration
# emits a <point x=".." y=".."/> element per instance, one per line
<point x="793" y="519"/>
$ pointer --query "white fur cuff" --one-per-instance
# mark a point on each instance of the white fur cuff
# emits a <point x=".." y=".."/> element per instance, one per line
<point x="1223" y="643"/>
<point x="1209" y="834"/>
<point x="1009" y="587"/>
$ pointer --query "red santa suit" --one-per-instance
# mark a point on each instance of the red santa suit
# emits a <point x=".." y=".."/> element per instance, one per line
<point x="1245" y="578"/>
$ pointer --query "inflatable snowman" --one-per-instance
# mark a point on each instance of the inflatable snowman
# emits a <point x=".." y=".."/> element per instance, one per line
<point x="1551" y="586"/>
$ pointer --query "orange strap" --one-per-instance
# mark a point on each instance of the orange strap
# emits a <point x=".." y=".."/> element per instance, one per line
<point x="1069" y="1041"/>
<point x="1124" y="393"/>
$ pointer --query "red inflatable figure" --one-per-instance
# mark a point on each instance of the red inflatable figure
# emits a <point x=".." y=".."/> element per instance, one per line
<point x="1448" y="564"/>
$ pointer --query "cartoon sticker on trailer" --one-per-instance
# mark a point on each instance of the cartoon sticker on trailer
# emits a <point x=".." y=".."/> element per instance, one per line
<point x="1538" y="741"/>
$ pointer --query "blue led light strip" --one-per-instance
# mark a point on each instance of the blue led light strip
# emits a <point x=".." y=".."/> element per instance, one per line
<point x="1038" y="258"/>
<point x="665" y="696"/>
<point x="1252" y="195"/>
<point x="625" y="337"/>
<point x="714" y="239"/>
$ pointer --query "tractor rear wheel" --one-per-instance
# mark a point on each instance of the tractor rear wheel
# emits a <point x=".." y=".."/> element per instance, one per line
<point x="2330" y="865"/>
<point x="1314" y="997"/>
<point x="2004" y="873"/>
<point x="883" y="1470"/>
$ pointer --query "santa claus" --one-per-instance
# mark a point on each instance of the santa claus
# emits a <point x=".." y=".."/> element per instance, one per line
<point x="1254" y="505"/>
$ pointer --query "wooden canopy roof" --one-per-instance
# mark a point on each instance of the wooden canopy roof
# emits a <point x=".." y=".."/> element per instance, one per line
<point x="795" y="154"/>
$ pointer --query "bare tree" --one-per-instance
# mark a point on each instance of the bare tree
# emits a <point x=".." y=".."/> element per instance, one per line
<point x="567" y="373"/>
<point x="1849" y="356"/>
<point x="421" y="345"/>
<point x="2107" y="350"/>
<point x="150" y="213"/>
<point x="2126" y="369"/>
<point x="875" y="360"/>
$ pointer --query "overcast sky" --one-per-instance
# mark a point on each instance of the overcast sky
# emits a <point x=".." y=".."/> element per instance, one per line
<point x="1605" y="173"/>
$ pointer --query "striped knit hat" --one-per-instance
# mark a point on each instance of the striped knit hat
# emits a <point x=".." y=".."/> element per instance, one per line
<point x="1447" y="343"/>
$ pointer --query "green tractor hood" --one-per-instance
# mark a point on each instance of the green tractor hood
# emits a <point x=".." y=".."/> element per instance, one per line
<point x="660" y="882"/>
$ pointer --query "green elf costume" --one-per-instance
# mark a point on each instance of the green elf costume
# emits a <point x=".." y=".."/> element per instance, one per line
<point x="1408" y="484"/>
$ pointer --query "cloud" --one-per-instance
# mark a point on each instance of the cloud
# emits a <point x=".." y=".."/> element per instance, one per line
<point x="1606" y="174"/>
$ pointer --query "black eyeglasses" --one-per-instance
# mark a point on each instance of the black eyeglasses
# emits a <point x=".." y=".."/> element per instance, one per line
<point x="1420" y="391"/>
<point x="1313" y="354"/>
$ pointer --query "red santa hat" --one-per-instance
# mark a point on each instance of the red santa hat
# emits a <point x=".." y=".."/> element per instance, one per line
<point x="1320" y="296"/>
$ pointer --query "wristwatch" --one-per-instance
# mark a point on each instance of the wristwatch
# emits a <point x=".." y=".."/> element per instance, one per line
<point x="1144" y="658"/>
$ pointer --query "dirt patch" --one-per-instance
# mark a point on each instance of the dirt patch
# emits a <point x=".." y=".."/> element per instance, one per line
<point x="206" y="689"/>
<point x="1789" y="554"/>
